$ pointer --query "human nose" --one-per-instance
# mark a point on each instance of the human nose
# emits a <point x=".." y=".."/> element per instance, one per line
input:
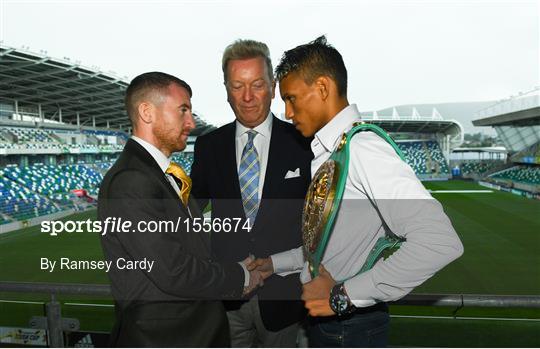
<point x="289" y="113"/>
<point x="190" y="121"/>
<point x="247" y="94"/>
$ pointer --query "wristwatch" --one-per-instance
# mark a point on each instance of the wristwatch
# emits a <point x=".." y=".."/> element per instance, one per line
<point x="339" y="300"/>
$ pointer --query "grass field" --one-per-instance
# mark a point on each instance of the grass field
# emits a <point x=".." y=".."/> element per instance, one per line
<point x="500" y="232"/>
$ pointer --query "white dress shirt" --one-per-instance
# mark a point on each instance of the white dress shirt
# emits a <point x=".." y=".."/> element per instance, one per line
<point x="160" y="158"/>
<point x="261" y="142"/>
<point x="407" y="207"/>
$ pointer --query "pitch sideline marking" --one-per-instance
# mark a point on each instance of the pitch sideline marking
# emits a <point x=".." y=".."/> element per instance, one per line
<point x="460" y="191"/>
<point x="21" y="302"/>
<point x="463" y="318"/>
<point x="90" y="305"/>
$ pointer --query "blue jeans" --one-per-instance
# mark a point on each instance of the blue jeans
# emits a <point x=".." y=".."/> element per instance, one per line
<point x="365" y="328"/>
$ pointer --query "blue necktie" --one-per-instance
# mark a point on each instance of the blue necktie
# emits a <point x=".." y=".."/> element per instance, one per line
<point x="248" y="176"/>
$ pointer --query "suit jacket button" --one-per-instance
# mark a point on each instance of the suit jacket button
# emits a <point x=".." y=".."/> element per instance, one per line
<point x="252" y="240"/>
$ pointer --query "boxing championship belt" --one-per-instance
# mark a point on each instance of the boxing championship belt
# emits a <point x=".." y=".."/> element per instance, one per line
<point x="323" y="200"/>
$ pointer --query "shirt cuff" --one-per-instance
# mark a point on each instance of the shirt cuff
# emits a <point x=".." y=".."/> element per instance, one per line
<point x="359" y="303"/>
<point x="246" y="274"/>
<point x="291" y="261"/>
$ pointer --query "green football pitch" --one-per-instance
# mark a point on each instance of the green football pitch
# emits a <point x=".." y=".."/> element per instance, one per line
<point x="500" y="232"/>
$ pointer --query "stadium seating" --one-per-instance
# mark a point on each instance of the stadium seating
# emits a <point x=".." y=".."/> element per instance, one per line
<point x="40" y="189"/>
<point x="529" y="155"/>
<point x="436" y="156"/>
<point x="32" y="191"/>
<point x="101" y="167"/>
<point x="478" y="167"/>
<point x="60" y="140"/>
<point x="19" y="203"/>
<point x="26" y="138"/>
<point x="56" y="181"/>
<point x="425" y="157"/>
<point x="522" y="174"/>
<point x="122" y="135"/>
<point x="28" y="135"/>
<point x="3" y="220"/>
<point x="184" y="159"/>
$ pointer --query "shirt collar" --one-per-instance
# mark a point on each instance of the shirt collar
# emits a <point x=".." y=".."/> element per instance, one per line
<point x="160" y="158"/>
<point x="264" y="129"/>
<point x="329" y="135"/>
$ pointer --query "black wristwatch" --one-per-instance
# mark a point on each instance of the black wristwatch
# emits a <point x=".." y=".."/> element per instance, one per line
<point x="339" y="300"/>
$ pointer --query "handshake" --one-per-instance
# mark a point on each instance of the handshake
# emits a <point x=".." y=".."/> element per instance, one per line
<point x="259" y="270"/>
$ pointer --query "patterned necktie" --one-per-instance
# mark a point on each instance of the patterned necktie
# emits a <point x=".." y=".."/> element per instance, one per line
<point x="178" y="172"/>
<point x="248" y="176"/>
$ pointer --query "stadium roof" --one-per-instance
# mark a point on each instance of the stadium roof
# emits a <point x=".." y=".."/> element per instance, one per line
<point x="416" y="126"/>
<point x="410" y="120"/>
<point x="516" y="120"/>
<point x="65" y="91"/>
<point x="521" y="110"/>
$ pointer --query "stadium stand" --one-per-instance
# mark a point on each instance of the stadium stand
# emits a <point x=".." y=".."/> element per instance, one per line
<point x="3" y="220"/>
<point x="63" y="126"/>
<point x="521" y="174"/>
<point x="184" y="159"/>
<point x="49" y="179"/>
<point x="425" y="157"/>
<point x="27" y="138"/>
<point x="53" y="184"/>
<point x="529" y="155"/>
<point x="478" y="167"/>
<point x="56" y="182"/>
<point x="517" y="123"/>
<point x="61" y="141"/>
<point x="20" y="203"/>
<point x="101" y="167"/>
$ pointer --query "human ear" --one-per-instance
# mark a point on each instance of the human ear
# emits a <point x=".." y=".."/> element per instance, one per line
<point x="322" y="84"/>
<point x="145" y="110"/>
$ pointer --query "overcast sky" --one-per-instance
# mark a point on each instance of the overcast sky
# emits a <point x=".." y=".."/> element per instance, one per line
<point x="396" y="52"/>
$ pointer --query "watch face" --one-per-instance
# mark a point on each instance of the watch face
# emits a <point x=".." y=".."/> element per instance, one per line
<point x="339" y="303"/>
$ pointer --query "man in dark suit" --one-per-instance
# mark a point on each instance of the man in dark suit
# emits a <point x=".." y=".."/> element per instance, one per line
<point x="176" y="301"/>
<point x="256" y="168"/>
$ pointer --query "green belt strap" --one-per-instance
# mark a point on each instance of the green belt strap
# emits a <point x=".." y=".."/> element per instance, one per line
<point x="385" y="245"/>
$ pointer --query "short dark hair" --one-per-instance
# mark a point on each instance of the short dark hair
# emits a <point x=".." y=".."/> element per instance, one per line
<point x="312" y="60"/>
<point x="145" y="84"/>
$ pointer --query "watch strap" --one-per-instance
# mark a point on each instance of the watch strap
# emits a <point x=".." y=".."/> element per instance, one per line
<point x="340" y="302"/>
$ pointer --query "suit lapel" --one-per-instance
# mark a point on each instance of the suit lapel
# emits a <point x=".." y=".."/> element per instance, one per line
<point x="196" y="213"/>
<point x="193" y="208"/>
<point x="275" y="160"/>
<point x="154" y="168"/>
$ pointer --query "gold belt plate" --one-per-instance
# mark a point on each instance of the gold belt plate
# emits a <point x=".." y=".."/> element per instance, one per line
<point x="318" y="206"/>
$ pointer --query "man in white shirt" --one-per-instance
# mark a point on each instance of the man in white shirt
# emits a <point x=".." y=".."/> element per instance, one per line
<point x="352" y="312"/>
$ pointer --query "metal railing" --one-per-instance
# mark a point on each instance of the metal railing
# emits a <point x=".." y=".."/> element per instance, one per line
<point x="56" y="325"/>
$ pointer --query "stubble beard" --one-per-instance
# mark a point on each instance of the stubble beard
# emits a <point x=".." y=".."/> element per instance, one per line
<point x="167" y="142"/>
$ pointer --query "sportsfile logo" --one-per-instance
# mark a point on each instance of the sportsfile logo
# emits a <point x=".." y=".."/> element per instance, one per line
<point x="53" y="228"/>
<point x="120" y="225"/>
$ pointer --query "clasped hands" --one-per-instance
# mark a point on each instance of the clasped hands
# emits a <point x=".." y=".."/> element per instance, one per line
<point x="316" y="293"/>
<point x="259" y="270"/>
